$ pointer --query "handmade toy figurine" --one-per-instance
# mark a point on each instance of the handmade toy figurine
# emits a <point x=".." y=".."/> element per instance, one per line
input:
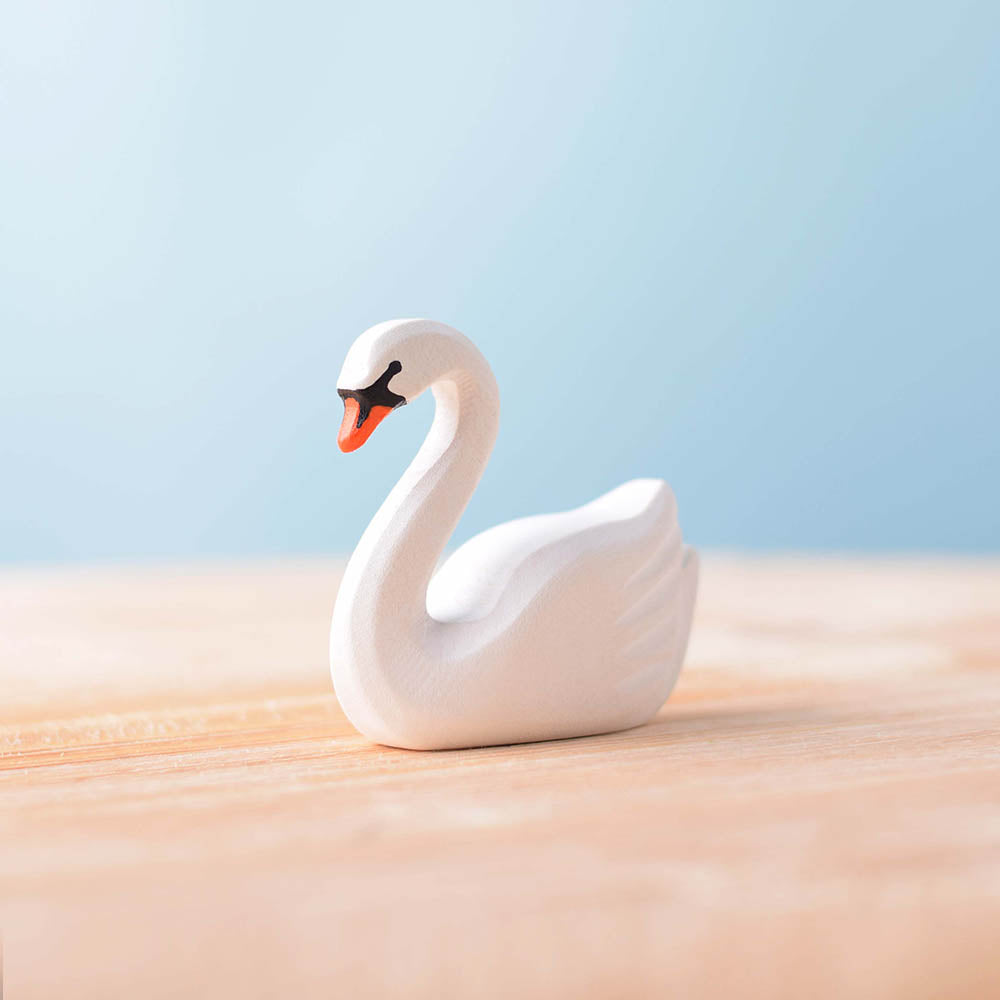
<point x="542" y="628"/>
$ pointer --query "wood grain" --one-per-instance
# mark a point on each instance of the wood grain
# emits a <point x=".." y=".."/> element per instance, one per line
<point x="816" y="812"/>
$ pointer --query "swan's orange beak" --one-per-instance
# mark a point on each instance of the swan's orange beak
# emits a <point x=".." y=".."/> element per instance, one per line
<point x="355" y="429"/>
<point x="365" y="409"/>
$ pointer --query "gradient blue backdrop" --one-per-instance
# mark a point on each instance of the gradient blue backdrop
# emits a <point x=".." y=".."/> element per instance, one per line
<point x="750" y="247"/>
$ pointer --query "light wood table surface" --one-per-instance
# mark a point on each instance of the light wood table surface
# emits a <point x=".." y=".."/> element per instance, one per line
<point x="185" y="812"/>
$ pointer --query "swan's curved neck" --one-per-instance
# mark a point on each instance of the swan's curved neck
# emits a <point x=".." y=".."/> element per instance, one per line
<point x="385" y="584"/>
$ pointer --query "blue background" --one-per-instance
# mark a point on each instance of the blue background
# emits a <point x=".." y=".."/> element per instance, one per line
<point x="749" y="247"/>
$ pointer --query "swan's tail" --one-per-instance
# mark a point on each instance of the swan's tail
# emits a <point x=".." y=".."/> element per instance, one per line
<point x="659" y="616"/>
<point x="688" y="593"/>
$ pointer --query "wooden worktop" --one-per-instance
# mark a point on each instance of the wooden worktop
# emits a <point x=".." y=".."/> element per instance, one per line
<point x="184" y="811"/>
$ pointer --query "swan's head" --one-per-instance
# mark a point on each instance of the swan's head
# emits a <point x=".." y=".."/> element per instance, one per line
<point x="390" y="365"/>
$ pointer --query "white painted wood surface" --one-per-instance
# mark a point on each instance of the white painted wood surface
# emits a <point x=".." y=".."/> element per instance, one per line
<point x="559" y="625"/>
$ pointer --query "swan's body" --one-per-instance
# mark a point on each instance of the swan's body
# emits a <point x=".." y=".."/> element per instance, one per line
<point x="542" y="628"/>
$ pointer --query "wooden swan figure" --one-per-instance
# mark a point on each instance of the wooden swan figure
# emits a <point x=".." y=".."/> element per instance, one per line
<point x="546" y="627"/>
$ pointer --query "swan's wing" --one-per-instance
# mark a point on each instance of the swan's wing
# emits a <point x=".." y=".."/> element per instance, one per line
<point x="469" y="584"/>
<point x="570" y="622"/>
<point x="607" y="539"/>
<point x="608" y="628"/>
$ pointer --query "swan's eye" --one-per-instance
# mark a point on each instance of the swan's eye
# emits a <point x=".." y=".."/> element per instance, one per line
<point x="365" y="409"/>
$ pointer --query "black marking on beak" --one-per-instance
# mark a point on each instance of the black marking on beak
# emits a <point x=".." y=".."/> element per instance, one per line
<point x="376" y="394"/>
